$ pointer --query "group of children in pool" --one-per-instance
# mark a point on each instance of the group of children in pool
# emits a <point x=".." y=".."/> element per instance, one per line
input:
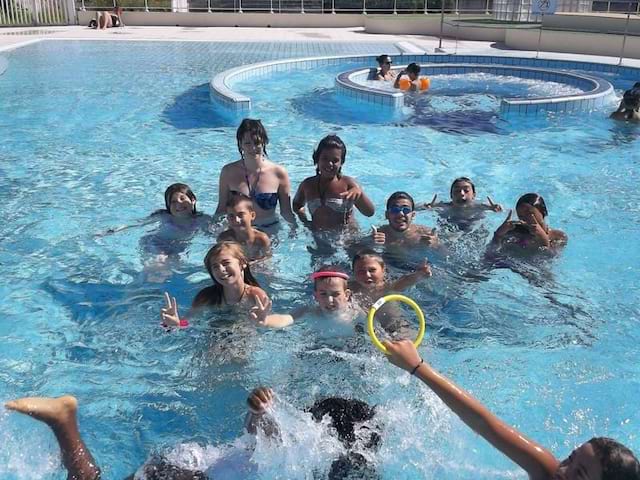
<point x="250" y="189"/>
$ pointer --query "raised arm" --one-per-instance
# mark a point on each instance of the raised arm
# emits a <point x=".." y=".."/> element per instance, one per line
<point x="410" y="279"/>
<point x="258" y="402"/>
<point x="538" y="462"/>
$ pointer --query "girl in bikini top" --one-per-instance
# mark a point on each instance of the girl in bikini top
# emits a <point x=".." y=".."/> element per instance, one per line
<point x="252" y="141"/>
<point x="330" y="189"/>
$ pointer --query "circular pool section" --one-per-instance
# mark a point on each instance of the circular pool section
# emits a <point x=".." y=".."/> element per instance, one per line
<point x="567" y="92"/>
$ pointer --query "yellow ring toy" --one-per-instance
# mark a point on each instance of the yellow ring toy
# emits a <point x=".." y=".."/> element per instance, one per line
<point x="394" y="298"/>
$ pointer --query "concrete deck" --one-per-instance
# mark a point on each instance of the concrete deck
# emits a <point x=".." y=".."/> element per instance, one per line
<point x="14" y="37"/>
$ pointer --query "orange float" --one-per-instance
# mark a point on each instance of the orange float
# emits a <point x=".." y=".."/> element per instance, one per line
<point x="404" y="84"/>
<point x="425" y="83"/>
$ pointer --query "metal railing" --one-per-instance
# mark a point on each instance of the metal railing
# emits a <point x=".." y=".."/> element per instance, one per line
<point x="298" y="6"/>
<point x="36" y="12"/>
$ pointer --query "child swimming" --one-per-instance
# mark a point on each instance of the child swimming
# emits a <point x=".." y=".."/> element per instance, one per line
<point x="463" y="209"/>
<point x="531" y="233"/>
<point x="333" y="300"/>
<point x="371" y="284"/>
<point x="330" y="195"/>
<point x="352" y="420"/>
<point x="233" y="284"/>
<point x="240" y="215"/>
<point x="401" y="232"/>
<point x="411" y="72"/>
<point x="598" y="459"/>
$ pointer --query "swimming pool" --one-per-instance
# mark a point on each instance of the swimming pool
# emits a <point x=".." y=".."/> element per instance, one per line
<point x="93" y="132"/>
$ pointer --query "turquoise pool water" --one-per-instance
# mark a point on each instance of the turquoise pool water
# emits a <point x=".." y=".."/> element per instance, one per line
<point x="93" y="132"/>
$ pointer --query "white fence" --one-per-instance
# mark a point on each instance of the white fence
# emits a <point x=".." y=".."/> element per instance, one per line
<point x="36" y="12"/>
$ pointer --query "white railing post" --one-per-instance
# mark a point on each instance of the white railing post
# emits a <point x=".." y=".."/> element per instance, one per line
<point x="457" y="7"/>
<point x="425" y="7"/>
<point x="395" y="7"/>
<point x="239" y="6"/>
<point x="271" y="4"/>
<point x="333" y="7"/>
<point x="301" y="6"/>
<point x="146" y="6"/>
<point x="364" y="7"/>
<point x="208" y="6"/>
<point x="486" y="9"/>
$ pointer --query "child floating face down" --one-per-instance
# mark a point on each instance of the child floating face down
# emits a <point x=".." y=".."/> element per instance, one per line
<point x="233" y="284"/>
<point x="240" y="215"/>
<point x="598" y="459"/>
<point x="352" y="422"/>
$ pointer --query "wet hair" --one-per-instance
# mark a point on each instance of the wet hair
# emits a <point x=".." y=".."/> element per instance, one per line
<point x="535" y="201"/>
<point x="631" y="98"/>
<point x="330" y="268"/>
<point x="617" y="461"/>
<point x="367" y="252"/>
<point x="400" y="196"/>
<point x="460" y="180"/>
<point x="179" y="188"/>
<point x="381" y="59"/>
<point x="413" y="68"/>
<point x="214" y="295"/>
<point x="328" y="142"/>
<point x="159" y="468"/>
<point x="256" y="130"/>
<point x="345" y="414"/>
<point x="236" y="198"/>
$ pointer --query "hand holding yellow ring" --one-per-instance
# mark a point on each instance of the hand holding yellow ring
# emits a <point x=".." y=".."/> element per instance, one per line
<point x="390" y="298"/>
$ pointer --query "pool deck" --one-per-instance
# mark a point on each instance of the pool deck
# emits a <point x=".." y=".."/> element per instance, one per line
<point x="14" y="37"/>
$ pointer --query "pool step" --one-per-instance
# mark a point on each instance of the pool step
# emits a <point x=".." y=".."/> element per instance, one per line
<point x="408" y="48"/>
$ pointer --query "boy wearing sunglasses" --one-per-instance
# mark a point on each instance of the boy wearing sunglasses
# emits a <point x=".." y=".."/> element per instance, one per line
<point x="401" y="231"/>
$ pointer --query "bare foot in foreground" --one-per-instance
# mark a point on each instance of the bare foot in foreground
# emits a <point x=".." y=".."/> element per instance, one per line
<point x="52" y="411"/>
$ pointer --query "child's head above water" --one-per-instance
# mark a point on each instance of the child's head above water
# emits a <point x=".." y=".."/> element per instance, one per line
<point x="530" y="207"/>
<point x="400" y="211"/>
<point x="331" y="289"/>
<point x="179" y="200"/>
<point x="240" y="211"/>
<point x="413" y="70"/>
<point x="330" y="156"/>
<point x="227" y="264"/>
<point x="463" y="192"/>
<point x="368" y="268"/>
<point x="252" y="134"/>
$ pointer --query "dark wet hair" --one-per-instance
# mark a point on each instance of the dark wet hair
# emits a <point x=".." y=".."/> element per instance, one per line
<point x="413" y="68"/>
<point x="256" y="130"/>
<point x="345" y="414"/>
<point x="367" y="252"/>
<point x="459" y="180"/>
<point x="179" y="188"/>
<point x="330" y="268"/>
<point x="330" y="141"/>
<point x="631" y="98"/>
<point x="534" y="200"/>
<point x="235" y="198"/>
<point x="214" y="295"/>
<point x="617" y="461"/>
<point x="400" y="196"/>
<point x="159" y="468"/>
<point x="383" y="59"/>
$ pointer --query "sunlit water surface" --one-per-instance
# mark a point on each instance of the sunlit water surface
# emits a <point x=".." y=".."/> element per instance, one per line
<point x="93" y="132"/>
